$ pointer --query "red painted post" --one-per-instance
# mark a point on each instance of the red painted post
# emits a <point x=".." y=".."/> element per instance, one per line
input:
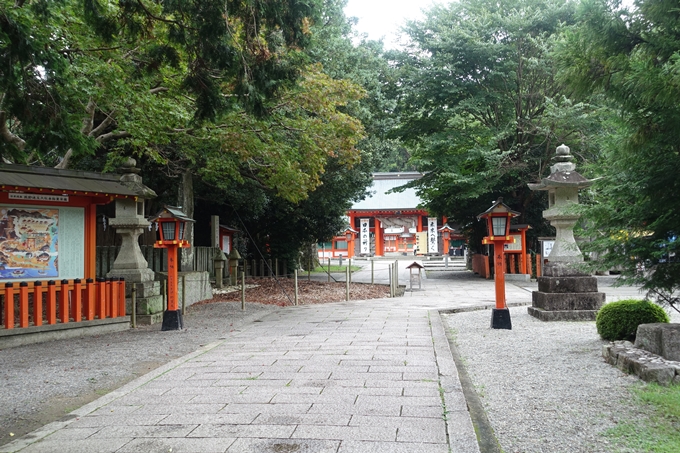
<point x="51" y="302"/>
<point x="114" y="297"/>
<point x="23" y="304"/>
<point x="487" y="268"/>
<point x="512" y="263"/>
<point x="9" y="305"/>
<point x="172" y="277"/>
<point x="77" y="300"/>
<point x="107" y="297"/>
<point x="101" y="298"/>
<point x="538" y="265"/>
<point x="37" y="303"/>
<point x="90" y="298"/>
<point x="63" y="302"/>
<point x="121" y="296"/>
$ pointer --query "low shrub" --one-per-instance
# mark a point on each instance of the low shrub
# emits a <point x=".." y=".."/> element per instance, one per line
<point x="620" y="320"/>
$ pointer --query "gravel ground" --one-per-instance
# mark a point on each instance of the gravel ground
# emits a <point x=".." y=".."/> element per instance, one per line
<point x="544" y="385"/>
<point x="46" y="381"/>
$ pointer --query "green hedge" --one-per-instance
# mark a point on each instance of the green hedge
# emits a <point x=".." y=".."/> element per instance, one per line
<point x="620" y="320"/>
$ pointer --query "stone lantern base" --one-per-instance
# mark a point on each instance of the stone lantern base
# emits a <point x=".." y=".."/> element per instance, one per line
<point x="565" y="294"/>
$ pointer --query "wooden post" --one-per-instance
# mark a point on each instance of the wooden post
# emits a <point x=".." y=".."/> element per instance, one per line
<point x="372" y="270"/>
<point x="9" y="305"/>
<point x="243" y="290"/>
<point x="112" y="286"/>
<point x="133" y="297"/>
<point x="329" y="270"/>
<point x="487" y="267"/>
<point x="389" y="273"/>
<point x="51" y="302"/>
<point x="100" y="308"/>
<point x="512" y="263"/>
<point x="37" y="303"/>
<point x="121" y="297"/>
<point x="90" y="298"/>
<point x="349" y="269"/>
<point x="76" y="301"/>
<point x="63" y="302"/>
<point x="539" y="265"/>
<point x="173" y="304"/>
<point x="347" y="277"/>
<point x="295" y="279"/>
<point x="23" y="304"/>
<point x="184" y="294"/>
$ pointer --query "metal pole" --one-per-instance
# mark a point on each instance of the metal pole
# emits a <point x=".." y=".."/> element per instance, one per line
<point x="309" y="269"/>
<point x="347" y="273"/>
<point x="295" y="276"/>
<point x="134" y="305"/>
<point x="372" y="269"/>
<point x="396" y="276"/>
<point x="243" y="290"/>
<point x="446" y="261"/>
<point x="184" y="294"/>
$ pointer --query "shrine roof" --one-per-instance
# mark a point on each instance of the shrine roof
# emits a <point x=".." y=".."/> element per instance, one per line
<point x="379" y="199"/>
<point x="26" y="177"/>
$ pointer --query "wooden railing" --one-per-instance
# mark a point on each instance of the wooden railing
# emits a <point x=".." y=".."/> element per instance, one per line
<point x="37" y="303"/>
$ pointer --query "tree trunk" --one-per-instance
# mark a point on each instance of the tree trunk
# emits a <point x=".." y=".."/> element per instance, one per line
<point x="185" y="198"/>
<point x="308" y="257"/>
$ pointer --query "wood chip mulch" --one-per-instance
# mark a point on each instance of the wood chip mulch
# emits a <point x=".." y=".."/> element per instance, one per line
<point x="281" y="292"/>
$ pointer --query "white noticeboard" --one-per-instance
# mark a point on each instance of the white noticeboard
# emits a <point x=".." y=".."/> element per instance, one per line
<point x="365" y="237"/>
<point x="432" y="240"/>
<point x="517" y="245"/>
<point x="546" y="248"/>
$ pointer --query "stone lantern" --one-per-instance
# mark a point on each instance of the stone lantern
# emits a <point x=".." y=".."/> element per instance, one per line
<point x="130" y="224"/>
<point x="130" y="263"/>
<point x="564" y="292"/>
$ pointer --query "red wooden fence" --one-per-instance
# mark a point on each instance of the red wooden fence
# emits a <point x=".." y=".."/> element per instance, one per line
<point x="67" y="301"/>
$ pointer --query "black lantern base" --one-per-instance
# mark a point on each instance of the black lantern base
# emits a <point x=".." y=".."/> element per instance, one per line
<point x="500" y="318"/>
<point x="172" y="320"/>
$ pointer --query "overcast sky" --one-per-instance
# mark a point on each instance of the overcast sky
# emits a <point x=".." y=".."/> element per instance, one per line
<point x="382" y="18"/>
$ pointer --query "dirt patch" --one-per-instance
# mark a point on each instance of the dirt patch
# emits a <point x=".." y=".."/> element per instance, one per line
<point x="281" y="292"/>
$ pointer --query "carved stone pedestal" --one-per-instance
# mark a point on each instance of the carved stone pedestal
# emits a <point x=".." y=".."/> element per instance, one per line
<point x="565" y="295"/>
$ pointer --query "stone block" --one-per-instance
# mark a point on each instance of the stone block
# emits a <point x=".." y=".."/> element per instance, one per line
<point x="198" y="286"/>
<point x="144" y="289"/>
<point x="148" y="305"/>
<point x="626" y="362"/>
<point x="562" y="315"/>
<point x="567" y="301"/>
<point x="567" y="284"/>
<point x="562" y="270"/>
<point x="676" y="380"/>
<point x="657" y="372"/>
<point x="660" y="338"/>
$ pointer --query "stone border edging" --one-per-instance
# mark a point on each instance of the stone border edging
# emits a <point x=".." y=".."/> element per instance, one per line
<point x="647" y="366"/>
<point x="460" y="429"/>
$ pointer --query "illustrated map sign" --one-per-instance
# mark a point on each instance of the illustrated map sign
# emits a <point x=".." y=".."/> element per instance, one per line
<point x="28" y="242"/>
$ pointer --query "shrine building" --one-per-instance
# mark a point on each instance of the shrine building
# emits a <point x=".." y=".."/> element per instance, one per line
<point x="388" y="223"/>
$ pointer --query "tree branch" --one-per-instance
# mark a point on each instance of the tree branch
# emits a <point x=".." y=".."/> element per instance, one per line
<point x="113" y="136"/>
<point x="7" y="135"/>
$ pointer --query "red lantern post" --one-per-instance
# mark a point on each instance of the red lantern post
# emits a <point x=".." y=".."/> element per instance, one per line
<point x="498" y="224"/>
<point x="171" y="222"/>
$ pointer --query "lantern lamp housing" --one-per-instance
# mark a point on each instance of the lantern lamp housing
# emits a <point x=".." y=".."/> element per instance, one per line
<point x="350" y="234"/>
<point x="446" y="232"/>
<point x="498" y="220"/>
<point x="172" y="225"/>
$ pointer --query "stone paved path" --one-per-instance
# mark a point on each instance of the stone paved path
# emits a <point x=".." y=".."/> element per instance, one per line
<point x="354" y="377"/>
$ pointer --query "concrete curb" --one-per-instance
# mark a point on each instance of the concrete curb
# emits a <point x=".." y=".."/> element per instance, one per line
<point x="460" y="431"/>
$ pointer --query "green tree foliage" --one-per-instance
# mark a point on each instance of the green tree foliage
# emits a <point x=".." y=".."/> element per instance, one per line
<point x="481" y="108"/>
<point x="632" y="57"/>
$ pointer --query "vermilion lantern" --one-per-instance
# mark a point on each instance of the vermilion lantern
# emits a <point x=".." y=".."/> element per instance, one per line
<point x="171" y="227"/>
<point x="498" y="226"/>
